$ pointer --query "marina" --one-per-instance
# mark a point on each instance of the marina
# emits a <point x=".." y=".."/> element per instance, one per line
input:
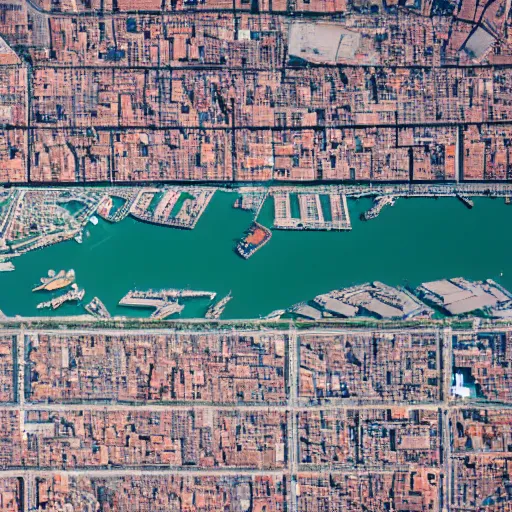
<point x="397" y="248"/>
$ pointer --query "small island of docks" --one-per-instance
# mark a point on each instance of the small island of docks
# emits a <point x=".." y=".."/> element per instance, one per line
<point x="56" y="281"/>
<point x="255" y="238"/>
<point x="75" y="294"/>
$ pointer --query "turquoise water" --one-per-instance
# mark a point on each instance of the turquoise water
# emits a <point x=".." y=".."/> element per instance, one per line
<point x="416" y="240"/>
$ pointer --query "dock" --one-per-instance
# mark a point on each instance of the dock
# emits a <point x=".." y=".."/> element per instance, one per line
<point x="313" y="211"/>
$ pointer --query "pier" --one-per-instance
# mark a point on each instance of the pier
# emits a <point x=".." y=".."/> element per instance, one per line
<point x="377" y="207"/>
<point x="465" y="200"/>
<point x="215" y="310"/>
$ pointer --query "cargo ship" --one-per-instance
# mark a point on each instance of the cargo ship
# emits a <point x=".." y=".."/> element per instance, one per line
<point x="255" y="238"/>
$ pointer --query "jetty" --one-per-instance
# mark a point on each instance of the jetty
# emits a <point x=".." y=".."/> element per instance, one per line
<point x="465" y="200"/>
<point x="75" y="294"/>
<point x="379" y="203"/>
<point x="254" y="239"/>
<point x="215" y="310"/>
<point x="97" y="309"/>
<point x="56" y="281"/>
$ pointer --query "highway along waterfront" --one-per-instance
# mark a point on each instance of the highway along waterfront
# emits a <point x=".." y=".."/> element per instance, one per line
<point x="413" y="241"/>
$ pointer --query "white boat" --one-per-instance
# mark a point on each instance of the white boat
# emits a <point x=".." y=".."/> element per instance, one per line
<point x="6" y="266"/>
<point x="93" y="220"/>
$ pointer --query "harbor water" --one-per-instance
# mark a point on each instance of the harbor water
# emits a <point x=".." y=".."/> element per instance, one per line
<point x="414" y="241"/>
